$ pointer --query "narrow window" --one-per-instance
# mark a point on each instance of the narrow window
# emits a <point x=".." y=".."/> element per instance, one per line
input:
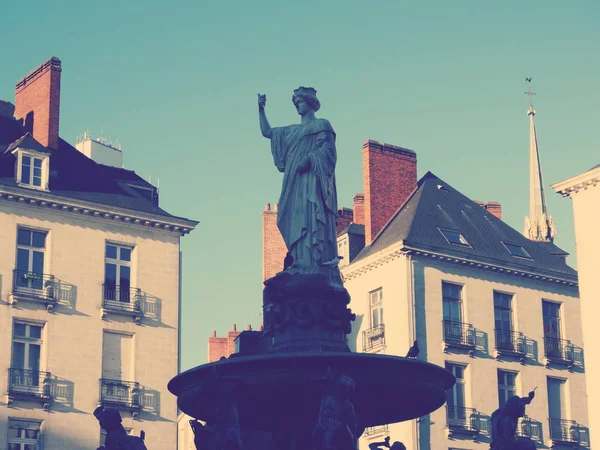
<point x="507" y="386"/>
<point x="454" y="329"/>
<point x="457" y="412"/>
<point x="376" y="306"/>
<point x="31" y="170"/>
<point x="23" y="434"/>
<point x="503" y="320"/>
<point x="25" y="361"/>
<point x="118" y="387"/>
<point x="31" y="246"/>
<point x="117" y="275"/>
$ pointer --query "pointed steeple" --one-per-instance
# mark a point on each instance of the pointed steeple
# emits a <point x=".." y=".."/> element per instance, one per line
<point x="539" y="226"/>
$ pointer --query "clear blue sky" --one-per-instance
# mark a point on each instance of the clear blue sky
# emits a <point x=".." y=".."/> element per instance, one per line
<point x="176" y="83"/>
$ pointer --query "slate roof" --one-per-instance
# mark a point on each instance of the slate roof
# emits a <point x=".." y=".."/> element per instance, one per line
<point x="435" y="204"/>
<point x="353" y="228"/>
<point x="75" y="176"/>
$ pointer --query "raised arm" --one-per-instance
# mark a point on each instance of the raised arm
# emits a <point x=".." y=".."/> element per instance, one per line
<point x="380" y="445"/>
<point x="265" y="128"/>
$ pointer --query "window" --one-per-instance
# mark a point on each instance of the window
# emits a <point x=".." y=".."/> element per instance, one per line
<point x="551" y="313"/>
<point x="454" y="237"/>
<point x="117" y="278"/>
<point x="557" y="398"/>
<point x="343" y="250"/>
<point x="376" y="306"/>
<point x="31" y="170"/>
<point x="30" y="258"/>
<point x="452" y="302"/>
<point x="456" y="395"/>
<point x="23" y="434"/>
<point x="503" y="311"/>
<point x="26" y="352"/>
<point x="507" y="386"/>
<point x="516" y="250"/>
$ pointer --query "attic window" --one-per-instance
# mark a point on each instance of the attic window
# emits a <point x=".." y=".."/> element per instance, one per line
<point x="32" y="170"/>
<point x="454" y="237"/>
<point x="516" y="250"/>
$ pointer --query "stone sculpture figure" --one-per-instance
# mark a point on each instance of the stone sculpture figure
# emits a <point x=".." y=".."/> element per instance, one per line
<point x="386" y="443"/>
<point x="116" y="436"/>
<point x="504" y="425"/>
<point x="306" y="154"/>
<point x="338" y="426"/>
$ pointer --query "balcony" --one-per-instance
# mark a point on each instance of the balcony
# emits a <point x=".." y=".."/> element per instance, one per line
<point x="374" y="338"/>
<point x="513" y="343"/>
<point x="459" y="335"/>
<point x="374" y="431"/>
<point x="558" y="351"/>
<point x="122" y="300"/>
<point x="568" y="432"/>
<point x="32" y="286"/>
<point x="462" y="420"/>
<point x="26" y="384"/>
<point x="120" y="394"/>
<point x="528" y="428"/>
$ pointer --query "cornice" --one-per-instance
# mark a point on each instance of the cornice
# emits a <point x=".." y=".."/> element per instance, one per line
<point x="384" y="257"/>
<point x="574" y="184"/>
<point x="36" y="198"/>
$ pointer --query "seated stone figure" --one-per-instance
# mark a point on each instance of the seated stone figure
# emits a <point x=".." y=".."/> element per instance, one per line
<point x="116" y="436"/>
<point x="504" y="425"/>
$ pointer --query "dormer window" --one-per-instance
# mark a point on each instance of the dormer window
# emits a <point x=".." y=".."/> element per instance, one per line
<point x="516" y="250"/>
<point x="32" y="163"/>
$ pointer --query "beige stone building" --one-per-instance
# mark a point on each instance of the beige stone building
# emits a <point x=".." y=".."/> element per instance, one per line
<point x="584" y="190"/>
<point x="89" y="284"/>
<point x="499" y="310"/>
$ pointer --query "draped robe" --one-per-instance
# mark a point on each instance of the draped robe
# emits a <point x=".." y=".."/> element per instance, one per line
<point x="308" y="204"/>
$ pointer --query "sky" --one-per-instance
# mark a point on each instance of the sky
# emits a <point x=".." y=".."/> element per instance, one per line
<point x="176" y="84"/>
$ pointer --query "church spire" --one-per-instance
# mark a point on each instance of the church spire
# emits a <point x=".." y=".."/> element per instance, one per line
<point x="539" y="226"/>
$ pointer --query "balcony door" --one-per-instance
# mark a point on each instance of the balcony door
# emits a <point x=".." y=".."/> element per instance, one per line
<point x="117" y="366"/>
<point x="553" y="343"/>
<point x="117" y="273"/>
<point x="26" y="351"/>
<point x="30" y="259"/>
<point x="503" y="321"/>
<point x="452" y="310"/>
<point x="456" y="396"/>
<point x="560" y="427"/>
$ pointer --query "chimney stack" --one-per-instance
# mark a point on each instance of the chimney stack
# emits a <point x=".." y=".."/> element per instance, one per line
<point x="358" y="216"/>
<point x="37" y="102"/>
<point x="390" y="177"/>
<point x="495" y="208"/>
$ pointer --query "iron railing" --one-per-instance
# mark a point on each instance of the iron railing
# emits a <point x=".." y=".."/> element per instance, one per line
<point x="463" y="419"/>
<point x="510" y="341"/>
<point x="119" y="393"/>
<point x="459" y="333"/>
<point x="370" y="431"/>
<point x="374" y="338"/>
<point x="568" y="431"/>
<point x="121" y="298"/>
<point x="529" y="428"/>
<point x="558" y="349"/>
<point x="34" y="284"/>
<point x="29" y="382"/>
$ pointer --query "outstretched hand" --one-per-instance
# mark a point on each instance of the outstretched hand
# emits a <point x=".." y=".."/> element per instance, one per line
<point x="262" y="101"/>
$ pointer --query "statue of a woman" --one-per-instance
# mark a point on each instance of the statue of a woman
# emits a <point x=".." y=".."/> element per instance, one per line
<point x="305" y="153"/>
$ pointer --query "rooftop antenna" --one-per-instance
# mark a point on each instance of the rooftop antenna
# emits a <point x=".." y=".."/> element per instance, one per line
<point x="530" y="93"/>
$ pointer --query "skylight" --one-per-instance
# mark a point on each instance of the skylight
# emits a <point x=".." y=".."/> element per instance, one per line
<point x="454" y="237"/>
<point x="516" y="250"/>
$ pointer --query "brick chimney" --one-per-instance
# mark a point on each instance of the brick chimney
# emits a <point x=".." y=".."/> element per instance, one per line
<point x="495" y="208"/>
<point x="219" y="347"/>
<point x="37" y="102"/>
<point x="390" y="176"/>
<point x="274" y="249"/>
<point x="359" y="209"/>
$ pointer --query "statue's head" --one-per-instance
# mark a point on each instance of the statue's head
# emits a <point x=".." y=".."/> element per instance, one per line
<point x="515" y="407"/>
<point x="309" y="95"/>
<point x="398" y="446"/>
<point x="346" y="385"/>
<point x="109" y="419"/>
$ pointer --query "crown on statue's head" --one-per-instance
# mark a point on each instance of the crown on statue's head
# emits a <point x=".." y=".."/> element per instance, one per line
<point x="302" y="91"/>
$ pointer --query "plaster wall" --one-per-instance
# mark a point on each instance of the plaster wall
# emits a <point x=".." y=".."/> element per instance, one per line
<point x="73" y="332"/>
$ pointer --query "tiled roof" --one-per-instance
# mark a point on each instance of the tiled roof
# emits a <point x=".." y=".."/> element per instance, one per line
<point x="436" y="205"/>
<point x="75" y="176"/>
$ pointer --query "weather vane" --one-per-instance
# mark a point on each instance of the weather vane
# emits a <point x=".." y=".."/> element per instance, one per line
<point x="530" y="93"/>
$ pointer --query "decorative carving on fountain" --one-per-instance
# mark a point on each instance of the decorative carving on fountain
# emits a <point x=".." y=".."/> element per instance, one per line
<point x="338" y="426"/>
<point x="504" y="425"/>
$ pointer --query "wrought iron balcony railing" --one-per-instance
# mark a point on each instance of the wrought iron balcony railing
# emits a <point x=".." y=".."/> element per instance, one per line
<point x="119" y="393"/>
<point x="459" y="333"/>
<point x="371" y="431"/>
<point x="26" y="382"/>
<point x="463" y="419"/>
<point x="529" y="428"/>
<point x="32" y="284"/>
<point x="568" y="431"/>
<point x="374" y="338"/>
<point x="558" y="349"/>
<point x="121" y="298"/>
<point x="510" y="341"/>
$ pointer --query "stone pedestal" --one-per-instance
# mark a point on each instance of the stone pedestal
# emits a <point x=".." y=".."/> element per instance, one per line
<point x="306" y="313"/>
